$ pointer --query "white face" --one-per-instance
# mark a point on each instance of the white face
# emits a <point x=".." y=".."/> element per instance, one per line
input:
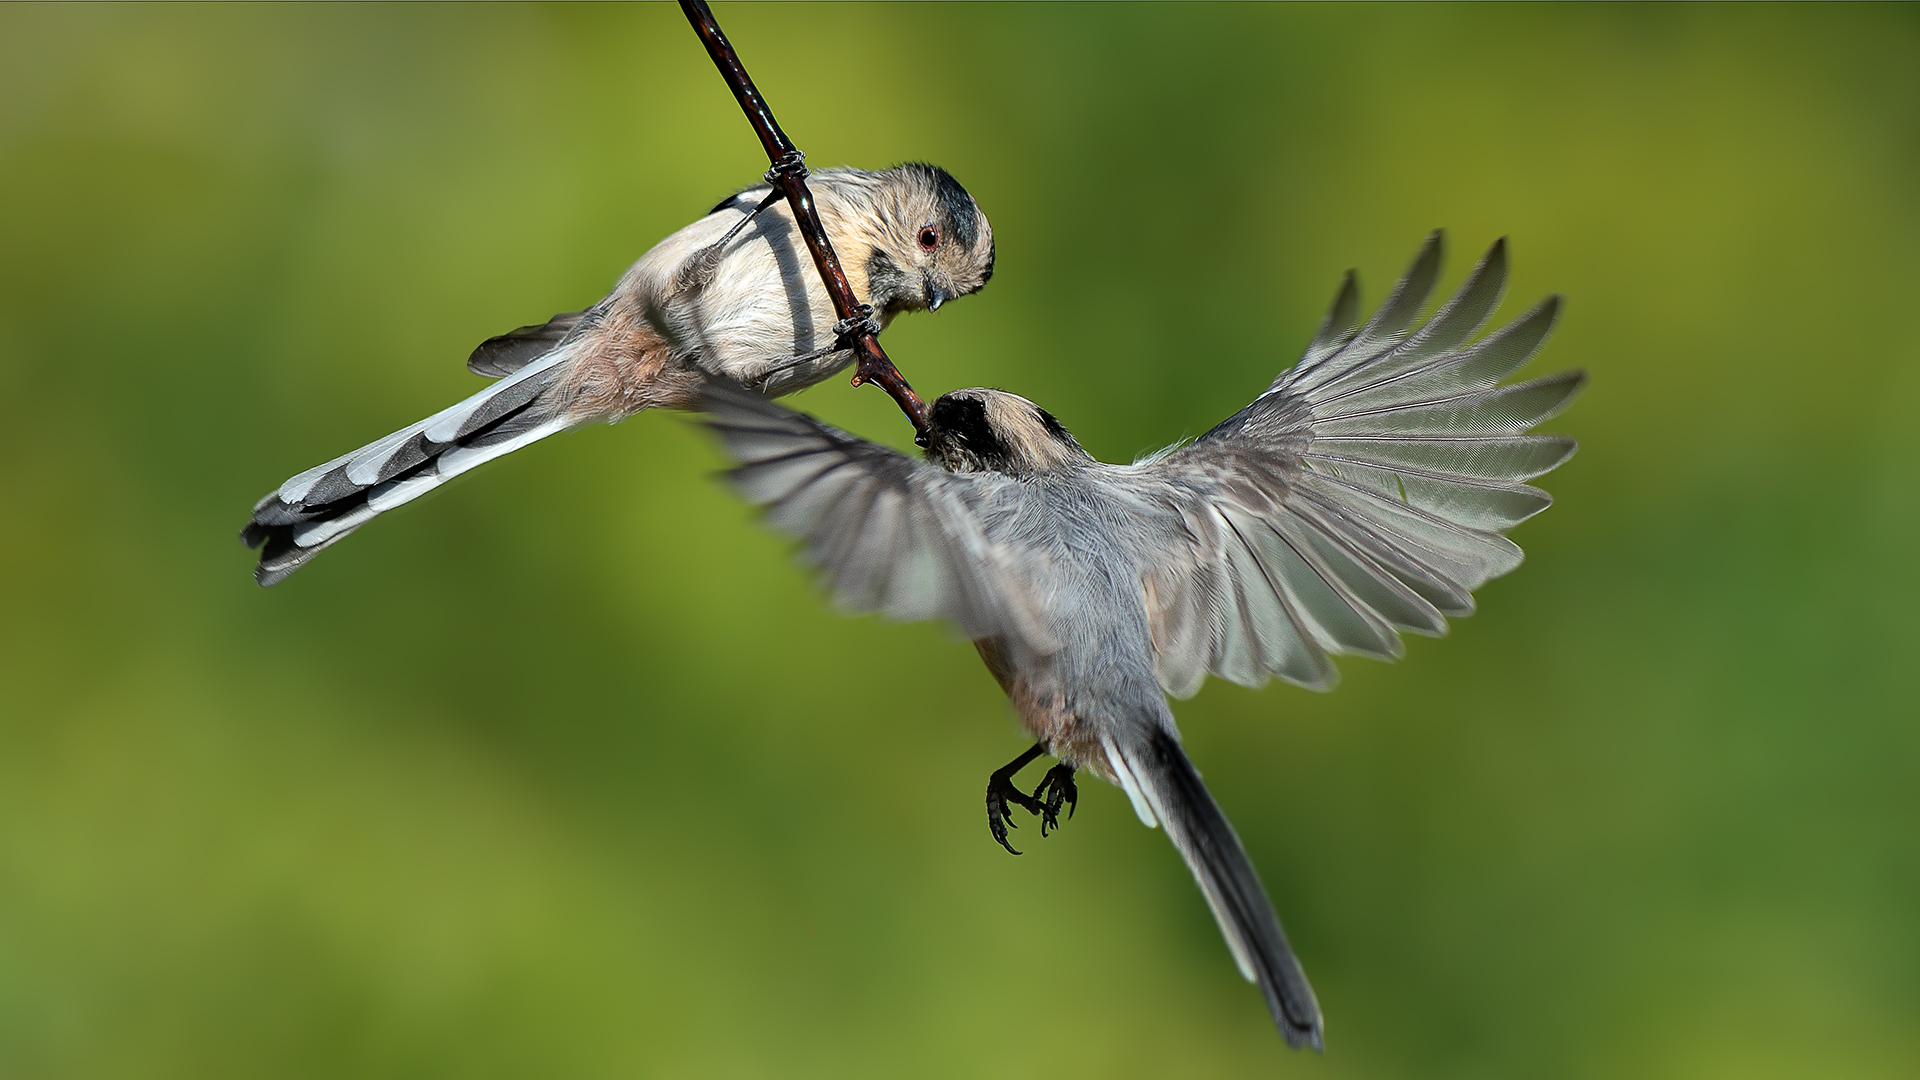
<point x="937" y="244"/>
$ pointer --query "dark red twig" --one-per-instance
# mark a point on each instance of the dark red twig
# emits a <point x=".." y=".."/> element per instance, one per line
<point x="790" y="174"/>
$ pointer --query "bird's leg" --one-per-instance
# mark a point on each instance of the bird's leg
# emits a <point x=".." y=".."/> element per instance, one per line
<point x="1056" y="790"/>
<point x="1000" y="792"/>
<point x="843" y="332"/>
<point x="804" y="358"/>
<point x="773" y="196"/>
<point x="698" y="271"/>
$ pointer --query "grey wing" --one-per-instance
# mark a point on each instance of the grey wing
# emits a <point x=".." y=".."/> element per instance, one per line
<point x="1366" y="493"/>
<point x="888" y="533"/>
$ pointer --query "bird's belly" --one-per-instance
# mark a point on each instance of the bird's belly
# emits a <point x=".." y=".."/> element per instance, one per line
<point x="1049" y="716"/>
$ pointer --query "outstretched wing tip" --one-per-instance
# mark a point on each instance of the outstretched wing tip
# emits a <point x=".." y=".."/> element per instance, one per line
<point x="1495" y="260"/>
<point x="1432" y="253"/>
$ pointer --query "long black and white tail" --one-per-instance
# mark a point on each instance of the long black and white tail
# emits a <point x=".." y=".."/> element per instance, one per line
<point x="1165" y="787"/>
<point x="316" y="508"/>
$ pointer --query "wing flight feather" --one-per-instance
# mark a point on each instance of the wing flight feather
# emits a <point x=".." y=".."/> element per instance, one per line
<point x="888" y="534"/>
<point x="1366" y="494"/>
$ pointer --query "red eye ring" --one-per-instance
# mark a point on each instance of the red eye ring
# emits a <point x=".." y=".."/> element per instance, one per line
<point x="929" y="238"/>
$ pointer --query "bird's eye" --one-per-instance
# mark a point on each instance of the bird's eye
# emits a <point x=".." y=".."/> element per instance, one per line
<point x="929" y="238"/>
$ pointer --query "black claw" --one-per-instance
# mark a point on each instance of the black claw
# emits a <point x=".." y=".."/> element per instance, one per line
<point x="1056" y="790"/>
<point x="997" y="820"/>
<point x="1000" y="792"/>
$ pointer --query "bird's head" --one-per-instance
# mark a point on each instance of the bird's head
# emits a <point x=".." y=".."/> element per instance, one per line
<point x="993" y="431"/>
<point x="934" y="245"/>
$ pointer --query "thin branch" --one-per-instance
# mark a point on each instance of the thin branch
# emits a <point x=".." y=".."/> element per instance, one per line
<point x="789" y="172"/>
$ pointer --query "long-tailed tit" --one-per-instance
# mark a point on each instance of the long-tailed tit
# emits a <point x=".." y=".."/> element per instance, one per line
<point x="734" y="294"/>
<point x="1363" y="494"/>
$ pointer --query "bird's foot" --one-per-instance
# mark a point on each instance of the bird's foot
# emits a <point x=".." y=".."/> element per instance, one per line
<point x="791" y="163"/>
<point x="1000" y="792"/>
<point x="858" y="325"/>
<point x="1056" y="790"/>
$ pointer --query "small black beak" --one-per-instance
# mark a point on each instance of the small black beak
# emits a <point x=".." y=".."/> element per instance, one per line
<point x="934" y="296"/>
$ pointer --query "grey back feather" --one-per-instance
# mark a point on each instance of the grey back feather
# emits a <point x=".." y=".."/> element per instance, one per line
<point x="1365" y="494"/>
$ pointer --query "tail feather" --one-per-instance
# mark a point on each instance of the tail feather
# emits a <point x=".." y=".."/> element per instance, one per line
<point x="315" y="509"/>
<point x="1152" y="765"/>
<point x="504" y="354"/>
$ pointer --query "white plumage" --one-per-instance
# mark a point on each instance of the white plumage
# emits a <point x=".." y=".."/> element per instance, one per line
<point x="734" y="294"/>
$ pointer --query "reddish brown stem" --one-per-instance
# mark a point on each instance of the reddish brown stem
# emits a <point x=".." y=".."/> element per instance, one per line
<point x="871" y="362"/>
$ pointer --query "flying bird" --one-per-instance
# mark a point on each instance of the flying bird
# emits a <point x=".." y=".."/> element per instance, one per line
<point x="733" y="295"/>
<point x="1365" y="493"/>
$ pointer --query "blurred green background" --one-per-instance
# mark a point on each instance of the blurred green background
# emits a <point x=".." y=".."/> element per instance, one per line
<point x="571" y="772"/>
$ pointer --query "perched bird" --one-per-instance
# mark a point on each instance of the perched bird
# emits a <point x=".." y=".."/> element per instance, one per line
<point x="734" y="295"/>
<point x="1364" y="493"/>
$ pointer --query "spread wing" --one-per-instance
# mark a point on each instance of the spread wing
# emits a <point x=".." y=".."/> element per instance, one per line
<point x="1365" y="493"/>
<point x="889" y="534"/>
